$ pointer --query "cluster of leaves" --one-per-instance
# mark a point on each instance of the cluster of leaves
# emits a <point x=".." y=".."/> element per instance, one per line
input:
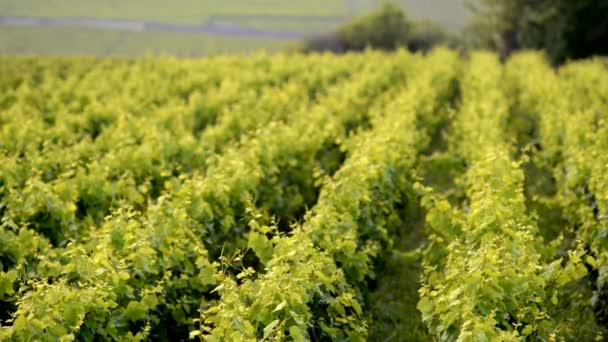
<point x="247" y="199"/>
<point x="488" y="273"/>
<point x="115" y="232"/>
<point x="314" y="277"/>
<point x="570" y="110"/>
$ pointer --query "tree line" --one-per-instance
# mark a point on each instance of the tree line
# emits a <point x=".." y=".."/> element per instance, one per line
<point x="563" y="29"/>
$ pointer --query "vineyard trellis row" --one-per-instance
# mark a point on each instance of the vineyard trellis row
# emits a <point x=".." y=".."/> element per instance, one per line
<point x="258" y="198"/>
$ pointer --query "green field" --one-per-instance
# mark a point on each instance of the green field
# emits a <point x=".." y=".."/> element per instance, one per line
<point x="451" y="13"/>
<point x="365" y="196"/>
<point x="58" y="41"/>
<point x="308" y="17"/>
<point x="178" y="11"/>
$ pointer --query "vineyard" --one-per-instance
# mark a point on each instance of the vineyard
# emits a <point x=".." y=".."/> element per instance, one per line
<point x="371" y="196"/>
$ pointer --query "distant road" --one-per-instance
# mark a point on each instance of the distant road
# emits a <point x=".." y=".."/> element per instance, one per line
<point x="211" y="27"/>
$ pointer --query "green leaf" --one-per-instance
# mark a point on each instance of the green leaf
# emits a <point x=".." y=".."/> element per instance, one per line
<point x="194" y="333"/>
<point x="269" y="328"/>
<point x="261" y="246"/>
<point x="591" y="261"/>
<point x="218" y="288"/>
<point x="528" y="330"/>
<point x="425" y="306"/>
<point x="150" y="301"/>
<point x="296" y="334"/>
<point x="71" y="314"/>
<point x="124" y="275"/>
<point x="280" y="306"/>
<point x="136" y="311"/>
<point x="207" y="275"/>
<point x="6" y="282"/>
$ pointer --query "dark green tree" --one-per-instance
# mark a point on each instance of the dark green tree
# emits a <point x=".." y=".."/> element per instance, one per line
<point x="583" y="29"/>
<point x="385" y="29"/>
<point x="565" y="29"/>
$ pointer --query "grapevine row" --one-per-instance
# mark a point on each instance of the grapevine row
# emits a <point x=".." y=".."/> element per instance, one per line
<point x="485" y="272"/>
<point x="572" y="134"/>
<point x="132" y="261"/>
<point x="310" y="288"/>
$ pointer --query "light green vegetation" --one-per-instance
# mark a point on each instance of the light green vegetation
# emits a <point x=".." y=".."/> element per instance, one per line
<point x="177" y="11"/>
<point x="370" y="196"/>
<point x="308" y="17"/>
<point x="451" y="13"/>
<point x="59" y="41"/>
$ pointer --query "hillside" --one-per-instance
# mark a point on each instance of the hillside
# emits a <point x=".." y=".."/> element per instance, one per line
<point x="196" y="27"/>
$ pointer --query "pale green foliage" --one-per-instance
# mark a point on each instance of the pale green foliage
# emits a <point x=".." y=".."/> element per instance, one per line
<point x="258" y="199"/>
<point x="494" y="283"/>
<point x="350" y="226"/>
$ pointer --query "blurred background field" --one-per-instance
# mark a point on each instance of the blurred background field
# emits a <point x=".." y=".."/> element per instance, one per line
<point x="198" y="27"/>
<point x="60" y="41"/>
